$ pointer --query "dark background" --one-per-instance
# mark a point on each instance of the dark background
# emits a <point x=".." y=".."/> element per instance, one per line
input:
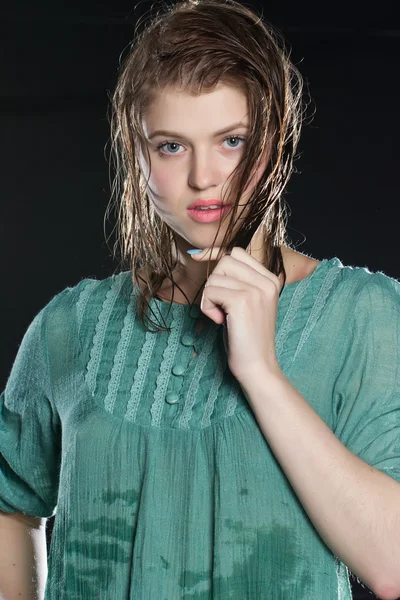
<point x="61" y="60"/>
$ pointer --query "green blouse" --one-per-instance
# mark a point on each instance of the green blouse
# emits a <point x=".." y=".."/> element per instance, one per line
<point x="162" y="484"/>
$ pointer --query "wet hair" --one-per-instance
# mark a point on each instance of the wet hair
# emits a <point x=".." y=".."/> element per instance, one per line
<point x="192" y="46"/>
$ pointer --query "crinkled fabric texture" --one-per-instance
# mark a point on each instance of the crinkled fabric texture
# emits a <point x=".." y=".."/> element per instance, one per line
<point x="162" y="484"/>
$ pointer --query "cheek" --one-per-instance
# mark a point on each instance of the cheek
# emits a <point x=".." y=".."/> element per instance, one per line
<point x="255" y="178"/>
<point x="144" y="168"/>
<point x="163" y="180"/>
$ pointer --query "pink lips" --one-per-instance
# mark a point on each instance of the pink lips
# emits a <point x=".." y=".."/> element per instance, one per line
<point x="210" y="215"/>
<point x="207" y="202"/>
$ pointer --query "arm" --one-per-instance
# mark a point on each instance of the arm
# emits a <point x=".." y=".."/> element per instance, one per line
<point x="23" y="557"/>
<point x="353" y="506"/>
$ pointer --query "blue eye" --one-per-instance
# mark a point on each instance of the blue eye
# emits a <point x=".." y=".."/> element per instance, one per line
<point x="163" y="144"/>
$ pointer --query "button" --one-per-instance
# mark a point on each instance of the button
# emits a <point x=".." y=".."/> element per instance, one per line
<point x="178" y="369"/>
<point x="172" y="398"/>
<point x="187" y="339"/>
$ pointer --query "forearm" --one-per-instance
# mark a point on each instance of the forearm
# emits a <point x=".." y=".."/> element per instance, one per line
<point x="354" y="507"/>
<point x="23" y="559"/>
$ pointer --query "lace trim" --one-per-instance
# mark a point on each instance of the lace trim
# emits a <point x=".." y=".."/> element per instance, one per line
<point x="317" y="308"/>
<point x="294" y="305"/>
<point x="170" y="351"/>
<point x="194" y="386"/>
<point x="90" y="286"/>
<point x="232" y="402"/>
<point x="120" y="356"/>
<point x="92" y="368"/>
<point x="212" y="396"/>
<point x="139" y="379"/>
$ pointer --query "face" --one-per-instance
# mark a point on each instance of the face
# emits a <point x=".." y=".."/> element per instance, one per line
<point x="192" y="161"/>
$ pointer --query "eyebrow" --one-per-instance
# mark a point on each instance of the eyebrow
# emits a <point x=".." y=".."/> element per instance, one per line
<point x="180" y="135"/>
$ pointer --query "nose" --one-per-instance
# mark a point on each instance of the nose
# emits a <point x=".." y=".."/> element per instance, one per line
<point x="204" y="172"/>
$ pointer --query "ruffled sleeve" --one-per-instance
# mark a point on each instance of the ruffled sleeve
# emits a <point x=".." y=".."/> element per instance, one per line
<point x="30" y="429"/>
<point x="367" y="389"/>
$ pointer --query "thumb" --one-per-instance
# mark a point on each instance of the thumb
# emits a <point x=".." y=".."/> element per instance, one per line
<point x="195" y="252"/>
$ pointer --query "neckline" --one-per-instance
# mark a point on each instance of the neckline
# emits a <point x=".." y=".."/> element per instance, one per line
<point x="287" y="289"/>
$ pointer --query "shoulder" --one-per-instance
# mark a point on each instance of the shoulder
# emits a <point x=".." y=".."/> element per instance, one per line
<point x="366" y="298"/>
<point x="86" y="288"/>
<point x="67" y="308"/>
<point x="368" y="288"/>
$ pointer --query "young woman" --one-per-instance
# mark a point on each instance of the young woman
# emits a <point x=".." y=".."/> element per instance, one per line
<point x="247" y="445"/>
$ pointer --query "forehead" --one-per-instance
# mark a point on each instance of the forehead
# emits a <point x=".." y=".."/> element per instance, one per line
<point x="172" y="106"/>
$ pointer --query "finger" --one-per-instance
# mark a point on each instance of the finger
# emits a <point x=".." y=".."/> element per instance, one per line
<point x="242" y="256"/>
<point x="208" y="254"/>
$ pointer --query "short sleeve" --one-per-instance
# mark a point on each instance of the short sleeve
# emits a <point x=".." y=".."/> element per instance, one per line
<point x="30" y="429"/>
<point x="367" y="390"/>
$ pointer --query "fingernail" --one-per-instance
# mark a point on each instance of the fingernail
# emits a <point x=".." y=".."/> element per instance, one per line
<point x="194" y="251"/>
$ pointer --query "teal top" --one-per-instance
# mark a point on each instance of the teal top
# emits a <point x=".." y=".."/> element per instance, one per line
<point x="162" y="483"/>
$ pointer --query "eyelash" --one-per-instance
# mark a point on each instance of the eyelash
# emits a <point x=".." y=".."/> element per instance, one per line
<point x="162" y="144"/>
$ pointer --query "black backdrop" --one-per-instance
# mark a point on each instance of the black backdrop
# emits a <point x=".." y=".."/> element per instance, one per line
<point x="60" y="61"/>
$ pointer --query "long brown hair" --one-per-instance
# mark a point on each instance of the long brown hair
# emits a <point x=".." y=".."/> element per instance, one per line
<point x="194" y="45"/>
